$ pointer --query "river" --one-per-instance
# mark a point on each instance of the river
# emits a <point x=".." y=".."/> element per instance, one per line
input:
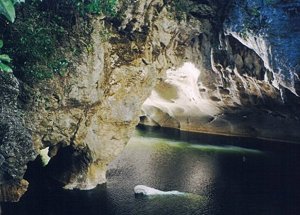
<point x="221" y="176"/>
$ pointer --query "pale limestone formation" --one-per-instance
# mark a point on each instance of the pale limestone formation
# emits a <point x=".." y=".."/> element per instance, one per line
<point x="228" y="96"/>
<point x="92" y="111"/>
<point x="232" y="84"/>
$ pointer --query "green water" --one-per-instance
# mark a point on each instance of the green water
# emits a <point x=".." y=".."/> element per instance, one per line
<point x="222" y="175"/>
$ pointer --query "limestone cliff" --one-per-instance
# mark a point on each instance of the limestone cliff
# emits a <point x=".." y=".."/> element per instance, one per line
<point x="86" y="116"/>
<point x="245" y="81"/>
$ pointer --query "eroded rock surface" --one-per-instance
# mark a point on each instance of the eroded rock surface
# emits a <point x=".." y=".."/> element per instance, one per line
<point x="16" y="148"/>
<point x="244" y="80"/>
<point x="87" y="117"/>
<point x="271" y="29"/>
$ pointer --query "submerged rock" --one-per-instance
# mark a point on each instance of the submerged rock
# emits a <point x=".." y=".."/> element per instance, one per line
<point x="149" y="191"/>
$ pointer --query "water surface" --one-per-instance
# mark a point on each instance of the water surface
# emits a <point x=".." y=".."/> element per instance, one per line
<point x="223" y="175"/>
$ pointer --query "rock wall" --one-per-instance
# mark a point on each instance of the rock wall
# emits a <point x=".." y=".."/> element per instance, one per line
<point x="16" y="148"/>
<point x="244" y="81"/>
<point x="271" y="29"/>
<point x="87" y="116"/>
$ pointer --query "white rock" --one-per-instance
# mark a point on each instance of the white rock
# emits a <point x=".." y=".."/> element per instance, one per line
<point x="149" y="191"/>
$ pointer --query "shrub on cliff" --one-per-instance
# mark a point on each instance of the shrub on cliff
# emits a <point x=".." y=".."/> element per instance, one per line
<point x="4" y="59"/>
<point x="7" y="9"/>
<point x="45" y="30"/>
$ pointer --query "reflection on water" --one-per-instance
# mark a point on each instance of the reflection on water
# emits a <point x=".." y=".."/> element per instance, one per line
<point x="224" y="178"/>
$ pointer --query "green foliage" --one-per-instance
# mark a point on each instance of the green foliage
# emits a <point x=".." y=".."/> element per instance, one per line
<point x="180" y="8"/>
<point x="181" y="5"/>
<point x="85" y="7"/>
<point x="8" y="10"/>
<point x="44" y="31"/>
<point x="4" y="59"/>
<point x="32" y="42"/>
<point x="60" y="67"/>
<point x="109" y="7"/>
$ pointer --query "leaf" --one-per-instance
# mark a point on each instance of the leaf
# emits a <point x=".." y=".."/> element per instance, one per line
<point x="5" y="68"/>
<point x="18" y="1"/>
<point x="1" y="44"/>
<point x="5" y="57"/>
<point x="7" y="9"/>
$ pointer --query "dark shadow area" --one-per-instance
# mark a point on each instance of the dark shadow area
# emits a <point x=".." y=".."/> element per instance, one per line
<point x="45" y="196"/>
